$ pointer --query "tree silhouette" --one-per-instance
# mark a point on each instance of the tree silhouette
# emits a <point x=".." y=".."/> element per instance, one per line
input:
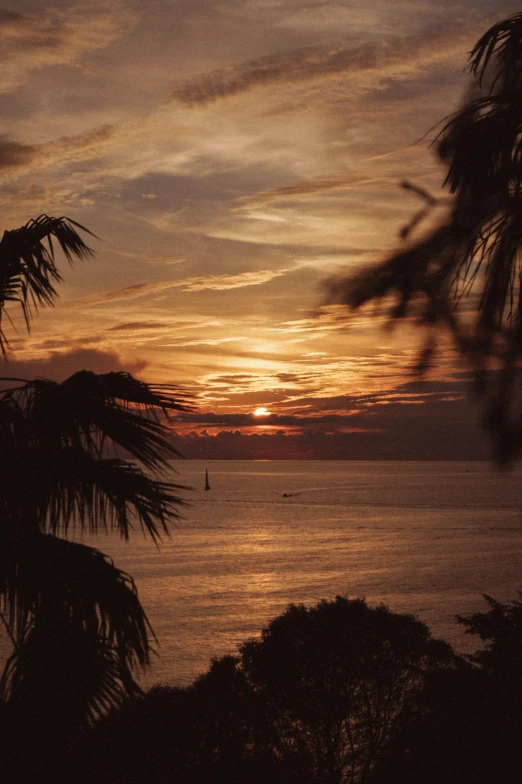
<point x="320" y="698"/>
<point x="468" y="728"/>
<point x="77" y="628"/>
<point x="501" y="629"/>
<point x="214" y="731"/>
<point x="341" y="679"/>
<point x="464" y="274"/>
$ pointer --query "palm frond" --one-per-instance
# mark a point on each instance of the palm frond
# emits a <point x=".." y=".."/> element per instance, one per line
<point x="46" y="581"/>
<point x="466" y="274"/>
<point x="61" y="681"/>
<point x="80" y="633"/>
<point x="503" y="40"/>
<point x="95" y="494"/>
<point x="71" y="490"/>
<point x="90" y="411"/>
<point x="78" y="629"/>
<point x="54" y="470"/>
<point x="28" y="271"/>
<point x="126" y="389"/>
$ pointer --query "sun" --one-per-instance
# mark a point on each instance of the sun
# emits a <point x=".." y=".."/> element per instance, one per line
<point x="262" y="412"/>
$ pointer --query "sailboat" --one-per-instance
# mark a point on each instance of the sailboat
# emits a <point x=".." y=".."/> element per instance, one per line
<point x="207" y="486"/>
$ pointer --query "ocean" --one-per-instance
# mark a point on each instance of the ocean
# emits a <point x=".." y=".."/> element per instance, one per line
<point x="423" y="538"/>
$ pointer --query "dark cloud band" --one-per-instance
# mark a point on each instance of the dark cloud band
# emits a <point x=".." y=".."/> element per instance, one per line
<point x="301" y="65"/>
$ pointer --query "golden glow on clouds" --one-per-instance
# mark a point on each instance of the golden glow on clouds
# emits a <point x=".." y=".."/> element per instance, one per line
<point x="261" y="412"/>
<point x="231" y="156"/>
<point x="50" y="36"/>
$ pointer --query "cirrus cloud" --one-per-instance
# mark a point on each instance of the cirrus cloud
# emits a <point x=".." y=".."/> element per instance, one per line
<point x="317" y="62"/>
<point x="212" y="282"/>
<point x="57" y="36"/>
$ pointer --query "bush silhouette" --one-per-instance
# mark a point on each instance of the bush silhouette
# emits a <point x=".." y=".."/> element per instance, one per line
<point x="318" y="699"/>
<point x="468" y="731"/>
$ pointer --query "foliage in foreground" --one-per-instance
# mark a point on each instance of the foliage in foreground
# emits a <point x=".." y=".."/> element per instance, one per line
<point x="319" y="698"/>
<point x="339" y="693"/>
<point x="463" y="274"/>
<point x="88" y="454"/>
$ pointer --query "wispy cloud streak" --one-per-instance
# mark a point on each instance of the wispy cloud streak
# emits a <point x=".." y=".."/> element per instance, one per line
<point x="29" y="42"/>
<point x="212" y="282"/>
<point x="309" y="63"/>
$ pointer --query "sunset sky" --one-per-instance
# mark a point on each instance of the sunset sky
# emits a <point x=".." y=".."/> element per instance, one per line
<point x="231" y="155"/>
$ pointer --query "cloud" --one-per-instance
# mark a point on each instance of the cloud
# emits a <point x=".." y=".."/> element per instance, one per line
<point x="131" y="326"/>
<point x="223" y="282"/>
<point x="57" y="36"/>
<point x="159" y="260"/>
<point x="421" y="419"/>
<point x="312" y="63"/>
<point x="65" y="148"/>
<point x="168" y="323"/>
<point x="306" y="187"/>
<point x="327" y="318"/>
<point x="59" y="365"/>
<point x="436" y="430"/>
<point x="216" y="342"/>
<point x="125" y="293"/>
<point x="14" y="154"/>
<point x="211" y="282"/>
<point x="319" y="385"/>
<point x="82" y="141"/>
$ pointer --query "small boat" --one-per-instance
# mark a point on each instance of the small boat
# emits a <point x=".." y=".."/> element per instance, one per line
<point x="207" y="485"/>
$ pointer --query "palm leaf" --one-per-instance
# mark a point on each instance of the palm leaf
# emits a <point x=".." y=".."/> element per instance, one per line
<point x="53" y="472"/>
<point x="63" y="681"/>
<point x="465" y="275"/>
<point x="46" y="581"/>
<point x="72" y="489"/>
<point x="28" y="272"/>
<point x="89" y="409"/>
<point x="503" y="40"/>
<point x="111" y="494"/>
<point x="79" y="630"/>
<point x="77" y="626"/>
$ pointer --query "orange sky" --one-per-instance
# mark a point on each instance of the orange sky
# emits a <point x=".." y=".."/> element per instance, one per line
<point x="231" y="155"/>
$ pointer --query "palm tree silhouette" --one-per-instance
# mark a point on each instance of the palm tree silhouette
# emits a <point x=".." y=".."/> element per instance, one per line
<point x="89" y="453"/>
<point x="465" y="274"/>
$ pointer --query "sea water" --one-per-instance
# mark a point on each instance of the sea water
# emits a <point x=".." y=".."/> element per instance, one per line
<point x="422" y="538"/>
